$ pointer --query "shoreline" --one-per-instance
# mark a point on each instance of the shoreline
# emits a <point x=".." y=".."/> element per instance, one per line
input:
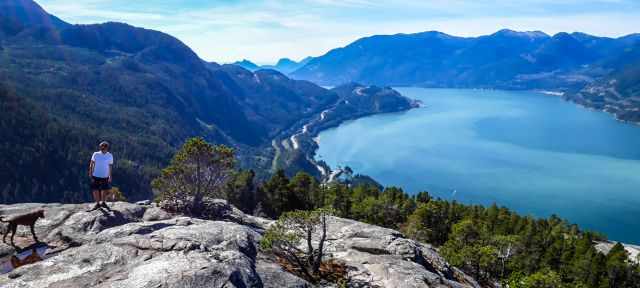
<point x="584" y="104"/>
<point x="604" y="110"/>
<point x="315" y="138"/>
<point x="311" y="135"/>
<point x="303" y="136"/>
<point x="632" y="249"/>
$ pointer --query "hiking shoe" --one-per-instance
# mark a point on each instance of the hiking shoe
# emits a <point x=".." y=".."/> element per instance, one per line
<point x="104" y="205"/>
<point x="95" y="207"/>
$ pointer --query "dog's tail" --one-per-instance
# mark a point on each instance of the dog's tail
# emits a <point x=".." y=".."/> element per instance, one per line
<point x="2" y="220"/>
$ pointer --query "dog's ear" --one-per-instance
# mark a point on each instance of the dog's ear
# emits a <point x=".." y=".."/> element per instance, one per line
<point x="41" y="213"/>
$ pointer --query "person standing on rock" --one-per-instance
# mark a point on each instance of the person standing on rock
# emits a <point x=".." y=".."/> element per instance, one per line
<point x="100" y="169"/>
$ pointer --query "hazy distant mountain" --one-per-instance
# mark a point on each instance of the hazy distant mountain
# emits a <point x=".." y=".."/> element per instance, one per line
<point x="505" y="59"/>
<point x="598" y="72"/>
<point x="246" y="64"/>
<point x="284" y="65"/>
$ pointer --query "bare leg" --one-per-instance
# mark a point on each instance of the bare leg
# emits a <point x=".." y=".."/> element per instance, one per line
<point x="96" y="196"/>
<point x="104" y="198"/>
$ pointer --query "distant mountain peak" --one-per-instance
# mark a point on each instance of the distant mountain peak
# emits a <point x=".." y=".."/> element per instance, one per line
<point x="246" y="64"/>
<point x="306" y="59"/>
<point x="245" y="61"/>
<point x="29" y="13"/>
<point x="582" y="34"/>
<point x="528" y="34"/>
<point x="286" y="61"/>
<point x="506" y="58"/>
<point x="436" y="34"/>
<point x="284" y="65"/>
<point x="562" y="35"/>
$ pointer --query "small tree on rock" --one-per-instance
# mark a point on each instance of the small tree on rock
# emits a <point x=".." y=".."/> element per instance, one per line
<point x="198" y="170"/>
<point x="541" y="279"/>
<point x="291" y="239"/>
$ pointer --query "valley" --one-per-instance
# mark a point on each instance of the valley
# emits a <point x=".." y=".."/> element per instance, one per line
<point x="148" y="92"/>
<point x="396" y="160"/>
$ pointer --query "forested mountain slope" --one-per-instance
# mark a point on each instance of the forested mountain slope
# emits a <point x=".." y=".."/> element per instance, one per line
<point x="27" y="12"/>
<point x="619" y="91"/>
<point x="143" y="90"/>
<point x="505" y="59"/>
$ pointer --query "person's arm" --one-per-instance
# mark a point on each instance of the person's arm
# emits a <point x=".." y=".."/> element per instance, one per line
<point x="92" y="164"/>
<point x="110" y="168"/>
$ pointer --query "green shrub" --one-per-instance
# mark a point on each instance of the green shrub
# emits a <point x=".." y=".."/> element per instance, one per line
<point x="198" y="170"/>
<point x="291" y="239"/>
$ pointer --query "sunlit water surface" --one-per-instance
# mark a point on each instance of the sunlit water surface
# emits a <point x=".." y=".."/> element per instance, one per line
<point x="534" y="153"/>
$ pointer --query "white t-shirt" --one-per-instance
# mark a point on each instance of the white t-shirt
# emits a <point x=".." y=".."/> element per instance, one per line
<point x="102" y="162"/>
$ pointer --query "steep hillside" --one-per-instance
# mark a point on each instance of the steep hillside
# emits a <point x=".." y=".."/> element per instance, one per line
<point x="28" y="13"/>
<point x="271" y="99"/>
<point x="142" y="90"/>
<point x="399" y="60"/>
<point x="619" y="91"/>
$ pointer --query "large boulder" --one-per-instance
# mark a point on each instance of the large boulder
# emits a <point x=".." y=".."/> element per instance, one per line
<point x="383" y="257"/>
<point x="140" y="245"/>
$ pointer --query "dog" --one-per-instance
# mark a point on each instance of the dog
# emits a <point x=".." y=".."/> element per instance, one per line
<point x="109" y="195"/>
<point x="28" y="219"/>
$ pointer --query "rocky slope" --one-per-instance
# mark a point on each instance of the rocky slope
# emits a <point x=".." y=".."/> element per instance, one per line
<point x="143" y="246"/>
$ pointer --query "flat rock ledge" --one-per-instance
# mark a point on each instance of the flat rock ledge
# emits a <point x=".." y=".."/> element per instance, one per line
<point x="140" y="245"/>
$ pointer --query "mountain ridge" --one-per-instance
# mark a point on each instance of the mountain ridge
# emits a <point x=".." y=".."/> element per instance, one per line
<point x="143" y="90"/>
<point x="577" y="65"/>
<point x="421" y="47"/>
<point x="29" y="13"/>
<point x="283" y="65"/>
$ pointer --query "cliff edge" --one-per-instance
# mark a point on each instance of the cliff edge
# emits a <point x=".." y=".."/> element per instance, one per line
<point x="140" y="245"/>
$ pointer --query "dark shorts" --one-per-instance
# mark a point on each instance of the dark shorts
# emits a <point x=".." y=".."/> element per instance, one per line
<point x="98" y="183"/>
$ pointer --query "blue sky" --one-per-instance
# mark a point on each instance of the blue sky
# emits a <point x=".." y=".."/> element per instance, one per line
<point x="266" y="30"/>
